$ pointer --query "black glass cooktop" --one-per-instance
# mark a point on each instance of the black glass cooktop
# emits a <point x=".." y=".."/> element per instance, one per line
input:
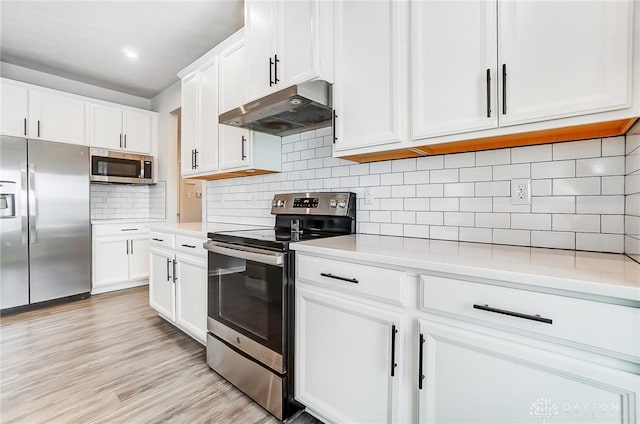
<point x="271" y="238"/>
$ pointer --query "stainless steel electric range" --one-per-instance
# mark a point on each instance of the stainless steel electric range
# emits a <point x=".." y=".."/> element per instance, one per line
<point x="251" y="293"/>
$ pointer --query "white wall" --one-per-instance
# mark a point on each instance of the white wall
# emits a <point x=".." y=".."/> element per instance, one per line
<point x="166" y="104"/>
<point x="19" y="73"/>
<point x="578" y="192"/>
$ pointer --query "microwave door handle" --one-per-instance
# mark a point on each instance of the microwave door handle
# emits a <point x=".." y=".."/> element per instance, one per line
<point x="256" y="255"/>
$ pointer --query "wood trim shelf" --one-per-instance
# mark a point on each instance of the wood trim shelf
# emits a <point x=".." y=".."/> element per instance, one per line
<point x="555" y="135"/>
<point x="234" y="174"/>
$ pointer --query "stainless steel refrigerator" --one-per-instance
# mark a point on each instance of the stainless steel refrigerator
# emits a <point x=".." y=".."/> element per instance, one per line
<point x="45" y="250"/>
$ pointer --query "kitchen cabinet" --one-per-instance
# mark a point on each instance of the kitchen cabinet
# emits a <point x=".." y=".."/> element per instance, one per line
<point x="551" y="74"/>
<point x="287" y="43"/>
<point x="54" y="116"/>
<point x="199" y="120"/>
<point x="115" y="128"/>
<point x="347" y="358"/>
<point x="243" y="149"/>
<point x="15" y="108"/>
<point x="454" y="60"/>
<point x="370" y="90"/>
<point x="120" y="256"/>
<point x="232" y="76"/>
<point x="496" y="380"/>
<point x="178" y="281"/>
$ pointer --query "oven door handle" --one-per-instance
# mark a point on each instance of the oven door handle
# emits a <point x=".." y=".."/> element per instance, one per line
<point x="243" y="252"/>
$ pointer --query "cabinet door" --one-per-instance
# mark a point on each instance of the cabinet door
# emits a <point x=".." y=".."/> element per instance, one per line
<point x="343" y="358"/>
<point x="232" y="77"/>
<point x="298" y="41"/>
<point x="105" y="127"/>
<point x="110" y="260"/>
<point x="370" y="81"/>
<point x="191" y="295"/>
<point x="139" y="257"/>
<point x="188" y="123"/>
<point x="206" y="158"/>
<point x="55" y="117"/>
<point x="15" y="108"/>
<point x="260" y="34"/>
<point x="578" y="62"/>
<point x="137" y="131"/>
<point x="472" y="377"/>
<point x="453" y="67"/>
<point x="161" y="285"/>
<point x="235" y="147"/>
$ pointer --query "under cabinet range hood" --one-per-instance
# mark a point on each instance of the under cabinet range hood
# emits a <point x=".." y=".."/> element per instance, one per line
<point x="300" y="107"/>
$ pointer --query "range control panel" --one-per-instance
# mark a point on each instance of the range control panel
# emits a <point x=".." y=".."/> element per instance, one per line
<point x="330" y="203"/>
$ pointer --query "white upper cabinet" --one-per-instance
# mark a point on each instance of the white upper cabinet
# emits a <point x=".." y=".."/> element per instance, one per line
<point x="199" y="120"/>
<point x="56" y="117"/>
<point x="564" y="58"/>
<point x="286" y="44"/>
<point x="116" y="128"/>
<point x="453" y="67"/>
<point x="15" y="109"/>
<point x="234" y="147"/>
<point x="232" y="77"/>
<point x="370" y="92"/>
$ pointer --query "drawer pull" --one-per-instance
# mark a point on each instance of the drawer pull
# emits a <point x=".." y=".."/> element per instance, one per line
<point x="157" y="239"/>
<point x="420" y="370"/>
<point x="393" y="350"/>
<point x="513" y="314"/>
<point x="190" y="246"/>
<point x="337" y="277"/>
<point x="129" y="229"/>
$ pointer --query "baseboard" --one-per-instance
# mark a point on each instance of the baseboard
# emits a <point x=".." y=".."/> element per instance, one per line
<point x="119" y="286"/>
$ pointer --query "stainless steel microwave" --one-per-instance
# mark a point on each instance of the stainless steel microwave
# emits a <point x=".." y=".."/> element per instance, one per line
<point x="117" y="167"/>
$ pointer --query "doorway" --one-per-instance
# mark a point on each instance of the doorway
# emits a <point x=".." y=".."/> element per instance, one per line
<point x="189" y="190"/>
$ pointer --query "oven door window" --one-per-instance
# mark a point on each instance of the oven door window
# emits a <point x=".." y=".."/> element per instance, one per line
<point x="115" y="167"/>
<point x="247" y="297"/>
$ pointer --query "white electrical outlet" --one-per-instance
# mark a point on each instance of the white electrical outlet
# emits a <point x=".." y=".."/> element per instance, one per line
<point x="521" y="192"/>
<point x="368" y="196"/>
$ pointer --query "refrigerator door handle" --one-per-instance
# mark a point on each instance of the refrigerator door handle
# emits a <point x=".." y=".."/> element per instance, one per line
<point x="33" y="205"/>
<point x="24" y="218"/>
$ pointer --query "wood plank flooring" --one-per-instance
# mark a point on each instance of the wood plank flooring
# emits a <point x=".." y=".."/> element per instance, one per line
<point x="111" y="359"/>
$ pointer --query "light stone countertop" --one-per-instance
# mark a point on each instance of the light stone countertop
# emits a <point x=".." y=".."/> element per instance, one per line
<point x="126" y="221"/>
<point x="600" y="274"/>
<point x="199" y="229"/>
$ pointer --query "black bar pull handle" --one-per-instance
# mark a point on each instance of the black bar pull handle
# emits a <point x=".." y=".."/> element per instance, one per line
<point x="335" y="136"/>
<point x="129" y="229"/>
<point x="420" y="370"/>
<point x="275" y="66"/>
<point x="513" y="314"/>
<point x="337" y="277"/>
<point x="175" y="263"/>
<point x="189" y="246"/>
<point x="270" y="72"/>
<point x="121" y="141"/>
<point x="195" y="158"/>
<point x="157" y="239"/>
<point x="504" y="88"/>
<point x="125" y="141"/>
<point x="393" y="350"/>
<point x="244" y="141"/>
<point x="168" y="271"/>
<point x="38" y="128"/>
<point x="25" y="126"/>
<point x="488" y="93"/>
<point x="127" y="247"/>
<point x="132" y="247"/>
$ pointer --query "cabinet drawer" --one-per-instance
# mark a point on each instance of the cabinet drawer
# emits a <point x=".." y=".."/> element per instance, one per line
<point x="382" y="284"/>
<point x="119" y="229"/>
<point x="190" y="245"/>
<point x="164" y="240"/>
<point x="610" y="327"/>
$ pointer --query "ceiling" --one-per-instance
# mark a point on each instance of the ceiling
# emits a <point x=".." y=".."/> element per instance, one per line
<point x="84" y="40"/>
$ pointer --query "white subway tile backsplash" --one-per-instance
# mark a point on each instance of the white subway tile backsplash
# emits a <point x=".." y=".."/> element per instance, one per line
<point x="493" y="157"/>
<point x="600" y="204"/>
<point x="633" y="162"/>
<point x="116" y="201"/>
<point x="576" y="186"/>
<point x="541" y="153"/>
<point x="455" y="197"/>
<point x="509" y="172"/>
<point x="460" y="160"/>
<point x="600" y="166"/>
<point x="600" y="242"/>
<point x="577" y="149"/>
<point x="560" y="169"/>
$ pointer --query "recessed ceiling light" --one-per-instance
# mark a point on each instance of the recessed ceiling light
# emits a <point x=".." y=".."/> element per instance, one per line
<point x="130" y="53"/>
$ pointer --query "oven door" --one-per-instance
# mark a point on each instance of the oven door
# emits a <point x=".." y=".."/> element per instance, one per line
<point x="245" y="300"/>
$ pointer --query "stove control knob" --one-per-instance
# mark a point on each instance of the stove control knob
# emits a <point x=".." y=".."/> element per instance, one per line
<point x="333" y="203"/>
<point x="342" y="204"/>
<point x="280" y="203"/>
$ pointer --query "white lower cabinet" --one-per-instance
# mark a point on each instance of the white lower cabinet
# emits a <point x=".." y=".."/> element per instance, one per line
<point x="178" y="282"/>
<point x="473" y="377"/>
<point x="120" y="257"/>
<point x="344" y="355"/>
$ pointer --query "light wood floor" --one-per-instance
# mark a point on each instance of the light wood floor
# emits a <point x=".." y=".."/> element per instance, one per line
<point x="111" y="359"/>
